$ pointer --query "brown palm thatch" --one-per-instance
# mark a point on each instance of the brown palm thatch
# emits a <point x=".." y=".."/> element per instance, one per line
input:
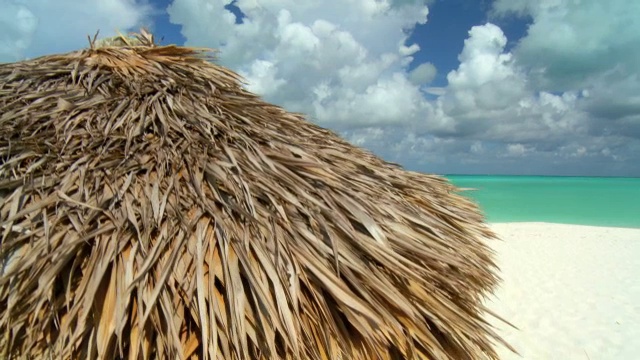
<point x="153" y="208"/>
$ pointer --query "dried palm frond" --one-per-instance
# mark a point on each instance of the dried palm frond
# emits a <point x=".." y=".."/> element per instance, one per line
<point x="150" y="207"/>
<point x="145" y="38"/>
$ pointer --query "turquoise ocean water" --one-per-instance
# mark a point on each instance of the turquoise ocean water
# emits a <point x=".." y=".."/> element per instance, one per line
<point x="571" y="200"/>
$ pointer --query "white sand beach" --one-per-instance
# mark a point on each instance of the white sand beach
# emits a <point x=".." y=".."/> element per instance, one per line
<point x="573" y="291"/>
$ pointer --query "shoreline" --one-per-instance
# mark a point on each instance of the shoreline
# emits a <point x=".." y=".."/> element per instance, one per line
<point x="571" y="290"/>
<point x="548" y="223"/>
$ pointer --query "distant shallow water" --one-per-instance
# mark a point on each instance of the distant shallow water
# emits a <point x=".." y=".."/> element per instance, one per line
<point x="598" y="201"/>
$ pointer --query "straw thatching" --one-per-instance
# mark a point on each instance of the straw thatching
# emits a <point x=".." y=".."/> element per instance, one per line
<point x="153" y="208"/>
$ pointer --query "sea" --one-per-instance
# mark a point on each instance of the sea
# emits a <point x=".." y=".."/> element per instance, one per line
<point x="598" y="201"/>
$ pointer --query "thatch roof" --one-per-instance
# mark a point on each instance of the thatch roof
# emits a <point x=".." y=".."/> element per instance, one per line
<point x="153" y="208"/>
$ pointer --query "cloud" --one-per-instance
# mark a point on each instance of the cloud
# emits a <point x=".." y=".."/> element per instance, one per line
<point x="346" y="69"/>
<point x="263" y="77"/>
<point x="349" y="70"/>
<point x="39" y="27"/>
<point x="486" y="78"/>
<point x="586" y="46"/>
<point x="488" y="97"/>
<point x="584" y="53"/>
<point x="570" y="42"/>
<point x="518" y="150"/>
<point x="423" y="74"/>
<point x="17" y="25"/>
<point x="493" y="114"/>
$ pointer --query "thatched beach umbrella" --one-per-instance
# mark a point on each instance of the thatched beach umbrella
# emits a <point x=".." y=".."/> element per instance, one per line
<point x="153" y="208"/>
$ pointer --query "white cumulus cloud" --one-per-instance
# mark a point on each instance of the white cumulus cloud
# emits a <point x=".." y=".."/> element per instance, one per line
<point x="345" y="68"/>
<point x="423" y="73"/>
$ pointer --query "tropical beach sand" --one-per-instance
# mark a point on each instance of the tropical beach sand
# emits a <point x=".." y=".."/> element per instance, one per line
<point x="573" y="291"/>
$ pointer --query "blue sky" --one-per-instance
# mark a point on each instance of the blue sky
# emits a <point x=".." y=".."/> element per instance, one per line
<point x="544" y="87"/>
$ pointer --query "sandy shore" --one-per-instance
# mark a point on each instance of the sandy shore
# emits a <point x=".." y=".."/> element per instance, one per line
<point x="573" y="291"/>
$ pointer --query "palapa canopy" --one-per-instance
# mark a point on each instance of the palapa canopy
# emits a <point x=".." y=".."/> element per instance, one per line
<point x="151" y="207"/>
